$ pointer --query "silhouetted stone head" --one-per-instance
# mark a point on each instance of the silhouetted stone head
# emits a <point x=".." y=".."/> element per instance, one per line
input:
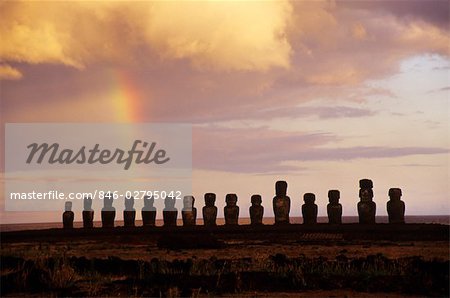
<point x="395" y="193"/>
<point x="334" y="209"/>
<point x="366" y="194"/>
<point x="365" y="183"/>
<point x="68" y="216"/>
<point x="231" y="199"/>
<point x="256" y="200"/>
<point x="148" y="202"/>
<point x="210" y="199"/>
<point x="396" y="207"/>
<point x="68" y="206"/>
<point x="108" y="200"/>
<point x="309" y="198"/>
<point x="129" y="203"/>
<point x="188" y="202"/>
<point x="189" y="213"/>
<point x="334" y="196"/>
<point x="281" y="188"/>
<point x="87" y="203"/>
<point x="169" y="203"/>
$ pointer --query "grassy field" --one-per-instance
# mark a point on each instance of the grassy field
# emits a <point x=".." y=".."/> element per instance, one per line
<point x="211" y="264"/>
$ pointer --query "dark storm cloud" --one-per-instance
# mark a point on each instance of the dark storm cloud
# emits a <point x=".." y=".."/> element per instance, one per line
<point x="433" y="12"/>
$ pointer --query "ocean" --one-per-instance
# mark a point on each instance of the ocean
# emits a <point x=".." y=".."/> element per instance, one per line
<point x="424" y="219"/>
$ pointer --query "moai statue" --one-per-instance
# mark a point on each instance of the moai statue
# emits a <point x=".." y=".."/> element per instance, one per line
<point x="68" y="216"/>
<point x="129" y="214"/>
<point x="108" y="211"/>
<point x="189" y="212"/>
<point x="88" y="213"/>
<point x="281" y="203"/>
<point x="231" y="210"/>
<point x="395" y="206"/>
<point x="366" y="206"/>
<point x="256" y="210"/>
<point x="209" y="210"/>
<point x="170" y="213"/>
<point x="309" y="209"/>
<point x="148" y="212"/>
<point x="334" y="208"/>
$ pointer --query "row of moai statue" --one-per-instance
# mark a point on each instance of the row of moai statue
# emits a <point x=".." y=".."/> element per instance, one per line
<point x="281" y="208"/>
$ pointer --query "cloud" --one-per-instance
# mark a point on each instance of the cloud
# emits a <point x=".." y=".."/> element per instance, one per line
<point x="223" y="35"/>
<point x="344" y="45"/>
<point x="252" y="150"/>
<point x="9" y="73"/>
<point x="261" y="150"/>
<point x="435" y="12"/>
<point x="322" y="112"/>
<point x="371" y="152"/>
<point x="318" y="43"/>
<point x="444" y="68"/>
<point x="358" y="31"/>
<point x="443" y="89"/>
<point x="30" y="33"/>
<point x="268" y="60"/>
<point x="220" y="36"/>
<point x="418" y="165"/>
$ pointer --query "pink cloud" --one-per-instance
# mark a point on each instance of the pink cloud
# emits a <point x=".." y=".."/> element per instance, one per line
<point x="259" y="150"/>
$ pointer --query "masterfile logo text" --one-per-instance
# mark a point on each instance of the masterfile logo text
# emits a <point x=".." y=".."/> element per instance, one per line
<point x="129" y="159"/>
<point x="52" y="154"/>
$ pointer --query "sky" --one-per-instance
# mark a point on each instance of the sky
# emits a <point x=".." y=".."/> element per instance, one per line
<point x="317" y="93"/>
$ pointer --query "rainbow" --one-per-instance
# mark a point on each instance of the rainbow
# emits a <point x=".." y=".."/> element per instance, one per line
<point x="126" y="98"/>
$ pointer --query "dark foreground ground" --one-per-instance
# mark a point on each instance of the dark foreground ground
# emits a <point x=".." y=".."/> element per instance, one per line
<point x="288" y="261"/>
